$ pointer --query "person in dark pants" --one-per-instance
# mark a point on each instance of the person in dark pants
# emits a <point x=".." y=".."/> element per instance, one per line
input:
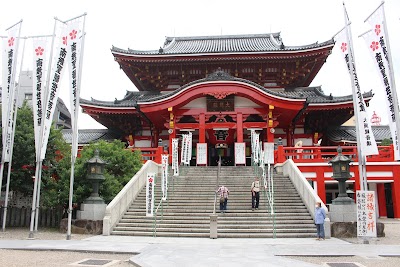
<point x="319" y="221"/>
<point x="223" y="193"/>
<point x="255" y="194"/>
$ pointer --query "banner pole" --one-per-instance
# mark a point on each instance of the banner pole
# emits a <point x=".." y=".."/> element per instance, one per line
<point x="74" y="148"/>
<point x="39" y="161"/>
<point x="391" y="72"/>
<point x="38" y="164"/>
<point x="13" y="133"/>
<point x="39" y="185"/>
<point x="356" y="112"/>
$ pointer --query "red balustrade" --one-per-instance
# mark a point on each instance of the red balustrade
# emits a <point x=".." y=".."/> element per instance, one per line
<point x="150" y="153"/>
<point x="326" y="153"/>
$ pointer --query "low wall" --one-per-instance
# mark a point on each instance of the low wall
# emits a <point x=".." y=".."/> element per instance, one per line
<point x="349" y="229"/>
<point x="82" y="226"/>
<point x="21" y="217"/>
<point x="120" y="204"/>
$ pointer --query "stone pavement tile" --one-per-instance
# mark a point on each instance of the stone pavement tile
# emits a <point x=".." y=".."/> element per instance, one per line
<point x="214" y="255"/>
<point x="72" y="245"/>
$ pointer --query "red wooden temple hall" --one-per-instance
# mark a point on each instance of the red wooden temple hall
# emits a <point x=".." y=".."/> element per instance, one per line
<point x="221" y="87"/>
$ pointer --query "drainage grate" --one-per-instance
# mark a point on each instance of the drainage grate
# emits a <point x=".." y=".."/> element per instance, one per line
<point x="95" y="262"/>
<point x="343" y="264"/>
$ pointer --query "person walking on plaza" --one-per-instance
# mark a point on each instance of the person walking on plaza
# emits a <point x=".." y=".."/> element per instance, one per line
<point x="255" y="194"/>
<point x="319" y="221"/>
<point x="223" y="198"/>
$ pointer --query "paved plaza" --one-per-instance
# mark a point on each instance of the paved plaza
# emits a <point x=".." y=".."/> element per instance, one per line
<point x="51" y="249"/>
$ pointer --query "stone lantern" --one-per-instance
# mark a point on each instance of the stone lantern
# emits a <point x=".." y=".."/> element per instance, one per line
<point x="341" y="173"/>
<point x="95" y="176"/>
<point x="93" y="208"/>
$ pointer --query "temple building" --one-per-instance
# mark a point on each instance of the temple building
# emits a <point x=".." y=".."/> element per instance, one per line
<point x="222" y="88"/>
<point x="219" y="88"/>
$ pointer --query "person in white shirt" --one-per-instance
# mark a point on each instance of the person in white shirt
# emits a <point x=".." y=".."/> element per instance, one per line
<point x="223" y="194"/>
<point x="255" y="194"/>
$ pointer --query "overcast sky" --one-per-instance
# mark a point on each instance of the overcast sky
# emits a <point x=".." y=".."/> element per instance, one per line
<point x="143" y="25"/>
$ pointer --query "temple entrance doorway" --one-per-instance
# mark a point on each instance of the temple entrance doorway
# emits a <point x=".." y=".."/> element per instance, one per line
<point x="225" y="151"/>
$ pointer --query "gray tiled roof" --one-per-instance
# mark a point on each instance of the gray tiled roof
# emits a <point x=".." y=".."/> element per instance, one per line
<point x="270" y="42"/>
<point x="89" y="135"/>
<point x="312" y="94"/>
<point x="130" y="99"/>
<point x="348" y="133"/>
<point x="316" y="95"/>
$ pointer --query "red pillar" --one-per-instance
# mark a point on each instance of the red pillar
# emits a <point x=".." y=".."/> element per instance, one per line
<point x="171" y="135"/>
<point x="321" y="184"/>
<point x="155" y="139"/>
<point x="270" y="129"/>
<point x="172" y="132"/>
<point x="381" y="199"/>
<point x="202" y="128"/>
<point x="270" y="134"/>
<point x="396" y="191"/>
<point x="239" y="128"/>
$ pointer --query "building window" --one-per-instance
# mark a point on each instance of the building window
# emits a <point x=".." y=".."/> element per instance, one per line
<point x="28" y="96"/>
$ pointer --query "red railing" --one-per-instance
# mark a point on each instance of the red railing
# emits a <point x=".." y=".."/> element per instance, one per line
<point x="326" y="153"/>
<point x="150" y="153"/>
<point x="297" y="154"/>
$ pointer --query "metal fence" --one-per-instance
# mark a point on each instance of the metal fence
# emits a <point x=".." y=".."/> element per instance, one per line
<point x="20" y="217"/>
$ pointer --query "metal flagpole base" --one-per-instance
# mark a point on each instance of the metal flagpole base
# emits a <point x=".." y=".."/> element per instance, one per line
<point x="31" y="235"/>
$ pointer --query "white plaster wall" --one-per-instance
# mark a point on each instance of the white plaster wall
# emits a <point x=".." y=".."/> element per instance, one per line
<point x="197" y="103"/>
<point x="142" y="143"/>
<point x="299" y="131"/>
<point x="279" y="131"/>
<point x="306" y="141"/>
<point x="146" y="133"/>
<point x="241" y="102"/>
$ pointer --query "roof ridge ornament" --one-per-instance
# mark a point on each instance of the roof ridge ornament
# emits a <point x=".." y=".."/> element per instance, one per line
<point x="218" y="75"/>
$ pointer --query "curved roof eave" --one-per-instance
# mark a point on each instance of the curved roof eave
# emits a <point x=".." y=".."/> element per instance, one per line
<point x="158" y="55"/>
<point x="97" y="107"/>
<point x="265" y="92"/>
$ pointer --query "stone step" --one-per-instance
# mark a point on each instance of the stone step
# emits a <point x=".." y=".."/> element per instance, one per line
<point x="262" y="215"/>
<point x="224" y="225"/>
<point x="194" y="205"/>
<point x="220" y="230"/>
<point x="192" y="201"/>
<point x="211" y="196"/>
<point x="231" y="209"/>
<point x="206" y="221"/>
<point x="222" y="235"/>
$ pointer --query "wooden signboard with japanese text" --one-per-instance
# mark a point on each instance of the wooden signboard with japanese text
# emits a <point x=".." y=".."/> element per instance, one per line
<point x="240" y="153"/>
<point x="201" y="157"/>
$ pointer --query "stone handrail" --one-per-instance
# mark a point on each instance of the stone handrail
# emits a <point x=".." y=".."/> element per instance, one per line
<point x="120" y="204"/>
<point x="303" y="187"/>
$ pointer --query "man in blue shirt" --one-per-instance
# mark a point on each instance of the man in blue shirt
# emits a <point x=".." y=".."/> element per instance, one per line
<point x="319" y="221"/>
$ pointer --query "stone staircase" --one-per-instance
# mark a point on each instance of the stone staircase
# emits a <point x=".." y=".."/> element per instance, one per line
<point x="191" y="201"/>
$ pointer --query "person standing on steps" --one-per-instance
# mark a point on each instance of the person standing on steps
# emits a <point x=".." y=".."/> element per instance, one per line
<point x="319" y="221"/>
<point x="255" y="194"/>
<point x="223" y="193"/>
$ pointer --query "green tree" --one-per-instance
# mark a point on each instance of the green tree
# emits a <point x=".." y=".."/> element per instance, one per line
<point x="23" y="161"/>
<point x="121" y="166"/>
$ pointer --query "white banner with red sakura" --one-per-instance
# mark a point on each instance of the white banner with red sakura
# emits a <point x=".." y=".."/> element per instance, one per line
<point x="150" y="180"/>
